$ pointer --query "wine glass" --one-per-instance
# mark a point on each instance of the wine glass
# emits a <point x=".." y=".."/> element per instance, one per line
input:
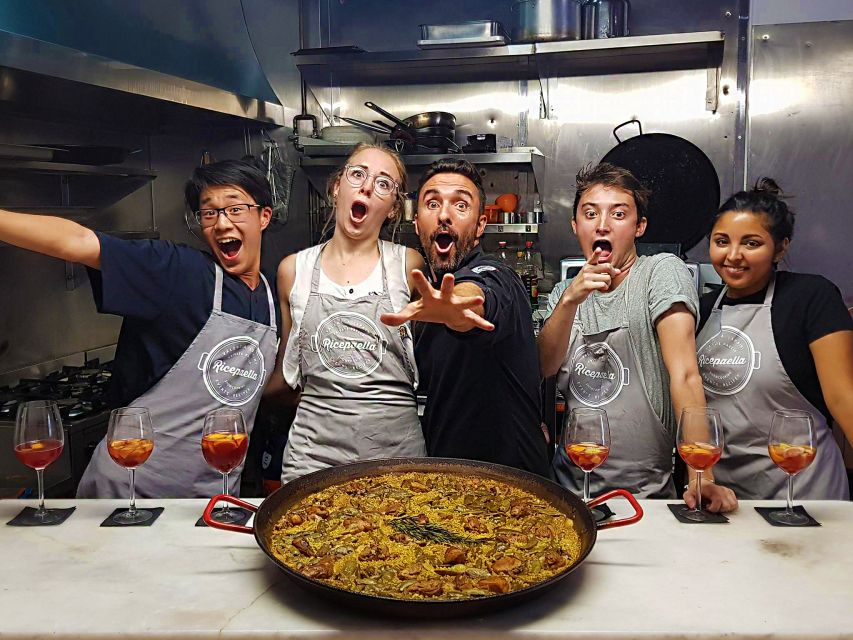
<point x="224" y="443"/>
<point x="39" y="439"/>
<point x="130" y="441"/>
<point x="792" y="445"/>
<point x="586" y="440"/>
<point x="700" y="445"/>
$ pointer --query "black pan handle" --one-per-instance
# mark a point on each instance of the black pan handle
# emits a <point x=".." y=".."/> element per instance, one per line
<point x="633" y="121"/>
<point x="388" y="115"/>
<point x="384" y="124"/>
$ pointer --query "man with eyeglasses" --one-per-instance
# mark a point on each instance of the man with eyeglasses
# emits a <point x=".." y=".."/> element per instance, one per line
<point x="479" y="366"/>
<point x="198" y="331"/>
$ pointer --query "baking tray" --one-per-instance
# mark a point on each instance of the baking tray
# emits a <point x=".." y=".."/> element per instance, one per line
<point x="474" y="33"/>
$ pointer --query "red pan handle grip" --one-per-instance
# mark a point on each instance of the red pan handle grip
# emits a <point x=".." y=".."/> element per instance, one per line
<point x="638" y="510"/>
<point x="239" y="528"/>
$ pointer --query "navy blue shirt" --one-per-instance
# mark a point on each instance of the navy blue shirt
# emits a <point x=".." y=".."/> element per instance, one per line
<point x="164" y="292"/>
<point x="482" y="387"/>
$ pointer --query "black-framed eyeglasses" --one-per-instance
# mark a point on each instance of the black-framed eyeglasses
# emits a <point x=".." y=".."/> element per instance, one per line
<point x="357" y="175"/>
<point x="234" y="212"/>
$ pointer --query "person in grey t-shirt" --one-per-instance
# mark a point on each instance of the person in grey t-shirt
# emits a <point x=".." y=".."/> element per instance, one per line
<point x="620" y="336"/>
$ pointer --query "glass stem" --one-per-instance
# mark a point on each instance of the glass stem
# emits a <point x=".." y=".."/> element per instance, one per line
<point x="132" y="509"/>
<point x="790" y="506"/>
<point x="40" y="475"/>
<point x="698" y="491"/>
<point x="226" y="510"/>
<point x="586" y="486"/>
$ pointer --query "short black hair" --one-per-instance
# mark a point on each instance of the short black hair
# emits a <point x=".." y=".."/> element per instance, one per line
<point x="461" y="167"/>
<point x="239" y="173"/>
<point x="609" y="175"/>
<point x="765" y="198"/>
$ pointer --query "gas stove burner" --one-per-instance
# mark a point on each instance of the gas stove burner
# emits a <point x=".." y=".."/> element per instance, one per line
<point x="8" y="409"/>
<point x="80" y="392"/>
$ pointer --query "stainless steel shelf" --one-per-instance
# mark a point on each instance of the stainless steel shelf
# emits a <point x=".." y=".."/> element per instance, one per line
<point x="408" y="227"/>
<point x="516" y="61"/>
<point x="527" y="157"/>
<point x="68" y="188"/>
<point x="35" y="166"/>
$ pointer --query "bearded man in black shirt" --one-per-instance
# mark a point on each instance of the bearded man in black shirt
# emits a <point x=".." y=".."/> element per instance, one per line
<point x="480" y="371"/>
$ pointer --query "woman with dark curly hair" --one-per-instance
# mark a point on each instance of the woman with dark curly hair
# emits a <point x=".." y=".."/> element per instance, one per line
<point x="773" y="340"/>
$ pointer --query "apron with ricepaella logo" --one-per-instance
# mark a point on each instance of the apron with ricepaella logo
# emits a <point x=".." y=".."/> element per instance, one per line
<point x="601" y="370"/>
<point x="225" y="365"/>
<point x="358" y="399"/>
<point x="745" y="380"/>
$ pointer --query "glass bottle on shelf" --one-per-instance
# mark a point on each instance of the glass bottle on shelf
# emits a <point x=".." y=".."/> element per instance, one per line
<point x="531" y="275"/>
<point x="504" y="255"/>
<point x="527" y="270"/>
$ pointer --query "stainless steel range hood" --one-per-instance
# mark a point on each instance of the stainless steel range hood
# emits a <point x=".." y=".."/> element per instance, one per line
<point x="27" y="62"/>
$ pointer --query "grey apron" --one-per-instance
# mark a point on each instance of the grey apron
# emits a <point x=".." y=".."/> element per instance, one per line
<point x="745" y="381"/>
<point x="225" y="365"/>
<point x="602" y="370"/>
<point x="358" y="398"/>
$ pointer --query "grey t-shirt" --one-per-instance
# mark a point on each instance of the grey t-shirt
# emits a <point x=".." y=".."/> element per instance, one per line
<point x="656" y="283"/>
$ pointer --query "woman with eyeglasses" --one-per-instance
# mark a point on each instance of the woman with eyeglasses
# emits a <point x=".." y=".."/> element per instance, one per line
<point x="356" y="376"/>
<point x="773" y="340"/>
<point x="198" y="329"/>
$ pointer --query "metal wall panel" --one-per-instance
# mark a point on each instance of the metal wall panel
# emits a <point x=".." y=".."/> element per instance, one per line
<point x="775" y="12"/>
<point x="800" y="98"/>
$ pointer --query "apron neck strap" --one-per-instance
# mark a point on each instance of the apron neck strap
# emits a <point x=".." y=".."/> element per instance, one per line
<point x="768" y="295"/>
<point x="771" y="290"/>
<point x="315" y="273"/>
<point x="270" y="301"/>
<point x="217" y="289"/>
<point x="720" y="297"/>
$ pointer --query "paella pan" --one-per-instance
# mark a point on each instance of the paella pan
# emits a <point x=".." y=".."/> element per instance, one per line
<point x="427" y="537"/>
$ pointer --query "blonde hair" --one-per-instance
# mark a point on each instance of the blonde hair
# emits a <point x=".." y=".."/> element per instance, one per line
<point x="390" y="225"/>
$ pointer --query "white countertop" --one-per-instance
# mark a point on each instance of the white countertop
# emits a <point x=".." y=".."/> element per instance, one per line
<point x="656" y="578"/>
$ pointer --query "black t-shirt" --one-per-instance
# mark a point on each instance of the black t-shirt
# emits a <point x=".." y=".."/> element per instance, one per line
<point x="805" y="308"/>
<point x="164" y="292"/>
<point x="482" y="387"/>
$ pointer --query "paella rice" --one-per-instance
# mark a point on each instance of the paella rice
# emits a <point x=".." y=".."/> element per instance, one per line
<point x="422" y="535"/>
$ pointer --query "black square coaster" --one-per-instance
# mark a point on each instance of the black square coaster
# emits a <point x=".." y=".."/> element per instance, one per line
<point x="678" y="510"/>
<point x="243" y="513"/>
<point x="155" y="511"/>
<point x="23" y="519"/>
<point x="765" y="513"/>
<point x="601" y="512"/>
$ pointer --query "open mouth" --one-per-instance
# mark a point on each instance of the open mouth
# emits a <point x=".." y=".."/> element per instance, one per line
<point x="606" y="249"/>
<point x="358" y="211"/>
<point x="734" y="270"/>
<point x="444" y="242"/>
<point x="229" y="247"/>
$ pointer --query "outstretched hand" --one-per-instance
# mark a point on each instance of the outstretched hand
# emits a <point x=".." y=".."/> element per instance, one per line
<point x="441" y="306"/>
<point x="594" y="276"/>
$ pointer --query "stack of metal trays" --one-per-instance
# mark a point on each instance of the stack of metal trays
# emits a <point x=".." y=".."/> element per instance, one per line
<point x="475" y="33"/>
